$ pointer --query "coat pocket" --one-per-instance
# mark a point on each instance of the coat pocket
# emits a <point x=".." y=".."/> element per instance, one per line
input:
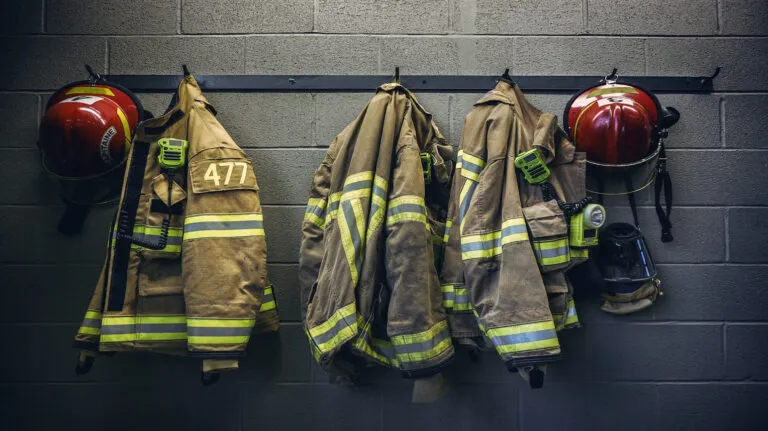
<point x="159" y="276"/>
<point x="549" y="235"/>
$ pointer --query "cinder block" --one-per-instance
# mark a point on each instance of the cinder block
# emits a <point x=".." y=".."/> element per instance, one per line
<point x="746" y="351"/>
<point x="578" y="56"/>
<point x="741" y="129"/>
<point x="311" y="55"/>
<point x="285" y="175"/>
<point x="185" y="404"/>
<point x="22" y="131"/>
<point x="464" y="407"/>
<point x="285" y="280"/>
<point x="744" y="17"/>
<point x="112" y="17"/>
<point x="383" y="16"/>
<point x="277" y="357"/>
<point x="266" y="119"/>
<point x="518" y="17"/>
<point x="699" y="125"/>
<point x="283" y="229"/>
<point x="243" y="16"/>
<point x="44" y="244"/>
<point x="699" y="233"/>
<point x="704" y="292"/>
<point x="589" y="407"/>
<point x="438" y="104"/>
<point x="47" y="63"/>
<point x="165" y="55"/>
<point x="446" y="55"/>
<point x="652" y="17"/>
<point x="747" y="234"/>
<point x="718" y="177"/>
<point x="743" y="60"/>
<point x="24" y="179"/>
<point x="21" y="17"/>
<point x="322" y="407"/>
<point x="66" y="289"/>
<point x="712" y="406"/>
<point x="334" y="111"/>
<point x="656" y="351"/>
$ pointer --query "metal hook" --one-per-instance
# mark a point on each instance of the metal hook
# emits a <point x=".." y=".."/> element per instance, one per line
<point x="396" y="78"/>
<point x="186" y="71"/>
<point x="708" y="79"/>
<point x="506" y="76"/>
<point x="93" y="77"/>
<point x="612" y="77"/>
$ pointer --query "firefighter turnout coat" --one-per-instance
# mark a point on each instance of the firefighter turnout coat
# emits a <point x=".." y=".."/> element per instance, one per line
<point x="369" y="282"/>
<point x="507" y="250"/>
<point x="206" y="290"/>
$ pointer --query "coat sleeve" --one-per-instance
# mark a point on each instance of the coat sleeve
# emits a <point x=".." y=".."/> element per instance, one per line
<point x="223" y="247"/>
<point x="500" y="269"/>
<point x="417" y="326"/>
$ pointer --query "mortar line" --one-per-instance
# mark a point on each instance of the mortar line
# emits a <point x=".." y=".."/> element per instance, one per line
<point x="719" y="16"/>
<point x="43" y="11"/>
<point x="585" y="16"/>
<point x="416" y="35"/>
<point x="313" y="124"/>
<point x="316" y="9"/>
<point x="727" y="235"/>
<point x="106" y="56"/>
<point x="645" y="56"/>
<point x="725" y="340"/>
<point x="178" y="17"/>
<point x="722" y="109"/>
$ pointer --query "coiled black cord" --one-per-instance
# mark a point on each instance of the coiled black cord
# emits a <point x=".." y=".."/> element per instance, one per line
<point x="548" y="191"/>
<point x="124" y="219"/>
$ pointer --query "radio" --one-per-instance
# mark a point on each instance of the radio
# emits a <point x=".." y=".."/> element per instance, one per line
<point x="532" y="165"/>
<point x="173" y="153"/>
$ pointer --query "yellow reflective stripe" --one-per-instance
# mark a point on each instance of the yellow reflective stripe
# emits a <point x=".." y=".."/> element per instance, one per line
<point x="335" y="197"/>
<point x="408" y="199"/>
<point x="157" y="230"/>
<point x="426" y="355"/>
<point x="240" y="339"/>
<point x="513" y="222"/>
<point x="144" y="336"/>
<point x="220" y="323"/>
<point x="316" y="202"/>
<point x="360" y="176"/>
<point x="470" y="175"/>
<point x="268" y="290"/>
<point x="515" y="237"/>
<point x="92" y="314"/>
<point x="472" y="159"/>
<point x="223" y="217"/>
<point x="357" y="210"/>
<point x="403" y="217"/>
<point x="447" y="234"/>
<point x="324" y="327"/>
<point x="520" y="329"/>
<point x="126" y="127"/>
<point x="133" y="320"/>
<point x="482" y="237"/>
<point x="572" y="317"/>
<point x="266" y="306"/>
<point x="550" y="245"/>
<point x="90" y="90"/>
<point x="356" y="194"/>
<point x="375" y="221"/>
<point x="531" y="345"/>
<point x="234" y="233"/>
<point x="314" y="219"/>
<point x="87" y="330"/>
<point x="420" y="337"/>
<point x="481" y="254"/>
<point x="337" y="340"/>
<point x="349" y="246"/>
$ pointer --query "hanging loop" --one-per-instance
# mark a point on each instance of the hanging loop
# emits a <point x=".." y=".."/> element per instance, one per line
<point x="93" y="77"/>
<point x="396" y="78"/>
<point x="612" y="77"/>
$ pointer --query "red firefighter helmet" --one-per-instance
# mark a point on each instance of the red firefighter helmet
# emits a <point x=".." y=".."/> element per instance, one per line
<point x="620" y="127"/>
<point x="85" y="136"/>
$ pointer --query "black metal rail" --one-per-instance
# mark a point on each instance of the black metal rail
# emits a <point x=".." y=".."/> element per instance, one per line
<point x="430" y="83"/>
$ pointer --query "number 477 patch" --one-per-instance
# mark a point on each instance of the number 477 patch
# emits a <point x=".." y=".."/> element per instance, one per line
<point x="213" y="175"/>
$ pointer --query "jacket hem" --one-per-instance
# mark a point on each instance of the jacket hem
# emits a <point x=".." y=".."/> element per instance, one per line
<point x="514" y="364"/>
<point x="216" y="355"/>
<point x="429" y="371"/>
<point x="84" y="345"/>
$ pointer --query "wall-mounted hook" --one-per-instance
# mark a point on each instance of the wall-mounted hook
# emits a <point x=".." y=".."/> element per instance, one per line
<point x="507" y="77"/>
<point x="612" y="77"/>
<point x="93" y="77"/>
<point x="186" y="71"/>
<point x="396" y="78"/>
<point x="708" y="79"/>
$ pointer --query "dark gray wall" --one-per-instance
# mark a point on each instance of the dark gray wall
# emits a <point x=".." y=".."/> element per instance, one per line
<point x="697" y="360"/>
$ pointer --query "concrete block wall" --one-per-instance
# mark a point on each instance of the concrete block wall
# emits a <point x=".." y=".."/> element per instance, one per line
<point x="696" y="360"/>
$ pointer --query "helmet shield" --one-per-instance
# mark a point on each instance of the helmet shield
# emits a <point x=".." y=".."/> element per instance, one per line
<point x="621" y="179"/>
<point x="623" y="258"/>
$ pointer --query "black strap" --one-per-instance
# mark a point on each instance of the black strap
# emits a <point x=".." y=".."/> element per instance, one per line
<point x="207" y="379"/>
<point x="536" y="378"/>
<point x="73" y="219"/>
<point x="663" y="181"/>
<point x="84" y="365"/>
<point x="633" y="205"/>
<point x="157" y="130"/>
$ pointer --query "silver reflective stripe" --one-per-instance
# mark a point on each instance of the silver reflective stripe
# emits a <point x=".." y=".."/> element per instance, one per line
<point x="329" y="334"/>
<point x="424" y="345"/>
<point x="525" y="337"/>
<point x="406" y="208"/>
<point x="212" y="331"/>
<point x="143" y="328"/>
<point x="365" y="184"/>
<point x="91" y="323"/>
<point x="555" y="252"/>
<point x="223" y="225"/>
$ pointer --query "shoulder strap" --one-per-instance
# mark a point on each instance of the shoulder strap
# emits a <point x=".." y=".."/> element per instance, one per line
<point x="663" y="181"/>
